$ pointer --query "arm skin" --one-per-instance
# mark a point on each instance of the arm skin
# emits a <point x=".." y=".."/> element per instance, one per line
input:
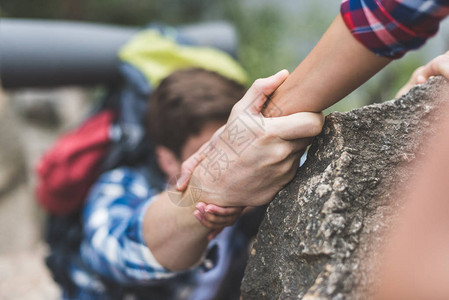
<point x="175" y="237"/>
<point x="334" y="68"/>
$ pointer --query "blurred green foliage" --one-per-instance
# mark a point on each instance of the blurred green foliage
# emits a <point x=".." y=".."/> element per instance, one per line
<point x="272" y="35"/>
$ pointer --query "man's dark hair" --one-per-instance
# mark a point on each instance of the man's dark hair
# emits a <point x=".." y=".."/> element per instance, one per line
<point x="185" y="101"/>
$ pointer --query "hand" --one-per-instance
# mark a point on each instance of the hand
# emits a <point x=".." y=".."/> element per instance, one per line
<point x="251" y="158"/>
<point x="437" y="66"/>
<point x="215" y="217"/>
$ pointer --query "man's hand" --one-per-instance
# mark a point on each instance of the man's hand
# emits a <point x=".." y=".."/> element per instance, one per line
<point x="251" y="158"/>
<point x="216" y="217"/>
<point x="437" y="66"/>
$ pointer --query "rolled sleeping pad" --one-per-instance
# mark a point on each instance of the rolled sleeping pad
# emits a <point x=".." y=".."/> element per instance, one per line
<point x="37" y="53"/>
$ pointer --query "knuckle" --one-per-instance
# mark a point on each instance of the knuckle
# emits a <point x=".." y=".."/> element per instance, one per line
<point x="288" y="170"/>
<point x="208" y="224"/>
<point x="283" y="151"/>
<point x="211" y="218"/>
<point x="418" y="71"/>
<point x="282" y="172"/>
<point x="435" y="63"/>
<point x="291" y="173"/>
<point x="258" y="84"/>
<point x="236" y="108"/>
<point x="315" y="125"/>
<point x="289" y="166"/>
<point x="205" y="224"/>
<point x="184" y="165"/>
<point x="233" y="218"/>
<point x="444" y="60"/>
<point x="270" y="133"/>
<point x="236" y="211"/>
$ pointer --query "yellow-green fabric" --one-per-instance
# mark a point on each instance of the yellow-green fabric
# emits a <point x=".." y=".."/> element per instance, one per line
<point x="157" y="56"/>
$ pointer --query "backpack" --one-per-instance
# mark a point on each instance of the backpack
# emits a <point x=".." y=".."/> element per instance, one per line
<point x="69" y="169"/>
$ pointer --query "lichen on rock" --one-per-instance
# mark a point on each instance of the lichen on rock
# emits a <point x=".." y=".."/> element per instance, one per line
<point x="323" y="231"/>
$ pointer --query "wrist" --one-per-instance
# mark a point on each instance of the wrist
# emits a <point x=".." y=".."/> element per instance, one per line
<point x="208" y="189"/>
<point x="183" y="205"/>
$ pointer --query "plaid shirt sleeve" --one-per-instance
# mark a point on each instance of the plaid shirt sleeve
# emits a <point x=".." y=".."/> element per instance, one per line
<point x="113" y="243"/>
<point x="390" y="28"/>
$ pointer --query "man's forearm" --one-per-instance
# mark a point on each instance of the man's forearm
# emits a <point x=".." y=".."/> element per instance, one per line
<point x="175" y="237"/>
<point x="333" y="69"/>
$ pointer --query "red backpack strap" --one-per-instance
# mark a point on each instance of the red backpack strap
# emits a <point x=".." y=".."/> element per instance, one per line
<point x="68" y="170"/>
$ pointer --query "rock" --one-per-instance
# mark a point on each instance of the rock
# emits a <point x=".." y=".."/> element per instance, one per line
<point x="321" y="234"/>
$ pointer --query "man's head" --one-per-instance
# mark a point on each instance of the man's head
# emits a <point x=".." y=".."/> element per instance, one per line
<point x="184" y="112"/>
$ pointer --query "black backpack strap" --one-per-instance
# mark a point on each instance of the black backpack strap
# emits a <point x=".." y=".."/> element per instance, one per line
<point x="63" y="234"/>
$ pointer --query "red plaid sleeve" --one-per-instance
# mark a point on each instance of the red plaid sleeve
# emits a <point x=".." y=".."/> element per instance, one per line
<point x="390" y="28"/>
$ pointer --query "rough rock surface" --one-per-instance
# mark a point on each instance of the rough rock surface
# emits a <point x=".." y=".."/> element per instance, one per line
<point x="321" y="233"/>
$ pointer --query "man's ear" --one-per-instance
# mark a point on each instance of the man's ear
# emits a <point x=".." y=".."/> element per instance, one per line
<point x="168" y="161"/>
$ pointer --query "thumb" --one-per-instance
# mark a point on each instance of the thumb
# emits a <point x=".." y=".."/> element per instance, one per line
<point x="189" y="165"/>
<point x="260" y="90"/>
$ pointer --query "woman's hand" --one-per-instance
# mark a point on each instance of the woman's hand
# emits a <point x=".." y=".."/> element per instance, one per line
<point x="216" y="217"/>
<point x="437" y="66"/>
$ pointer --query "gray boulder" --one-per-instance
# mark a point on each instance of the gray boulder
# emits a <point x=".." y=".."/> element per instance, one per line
<point x="322" y="233"/>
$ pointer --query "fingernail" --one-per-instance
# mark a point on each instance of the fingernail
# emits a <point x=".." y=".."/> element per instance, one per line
<point x="197" y="215"/>
<point x="200" y="208"/>
<point x="182" y="179"/>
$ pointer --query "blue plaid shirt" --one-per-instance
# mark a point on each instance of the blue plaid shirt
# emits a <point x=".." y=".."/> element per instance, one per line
<point x="114" y="258"/>
<point x="113" y="242"/>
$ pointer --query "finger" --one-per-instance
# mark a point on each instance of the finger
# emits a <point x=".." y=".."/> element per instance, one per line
<point x="420" y="79"/>
<point x="283" y="150"/>
<point x="417" y="76"/>
<point x="299" y="145"/>
<point x="208" y="224"/>
<point x="294" y="167"/>
<point x="260" y="90"/>
<point x="285" y="166"/>
<point x="295" y="126"/>
<point x="198" y="215"/>
<point x="220" y="220"/>
<point x="201" y="206"/>
<point x="218" y="210"/>
<point x="443" y="66"/>
<point x="211" y="225"/>
<point x="189" y="165"/>
<point x="438" y="66"/>
<point x="217" y="134"/>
